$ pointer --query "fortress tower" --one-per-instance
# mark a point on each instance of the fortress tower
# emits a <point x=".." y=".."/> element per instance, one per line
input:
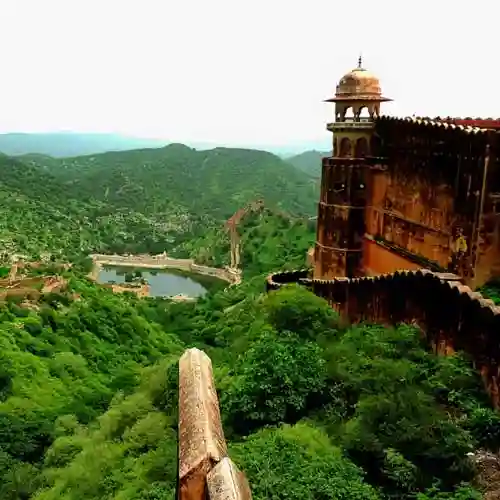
<point x="341" y="210"/>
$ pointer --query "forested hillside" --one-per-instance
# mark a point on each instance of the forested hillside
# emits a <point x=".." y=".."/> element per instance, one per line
<point x="215" y="183"/>
<point x="144" y="201"/>
<point x="309" y="162"/>
<point x="268" y="241"/>
<point x="312" y="408"/>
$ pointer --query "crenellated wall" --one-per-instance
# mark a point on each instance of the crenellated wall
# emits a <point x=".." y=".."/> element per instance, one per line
<point x="205" y="470"/>
<point x="451" y="315"/>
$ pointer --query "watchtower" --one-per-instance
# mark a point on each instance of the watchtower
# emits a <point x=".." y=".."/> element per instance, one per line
<point x="341" y="210"/>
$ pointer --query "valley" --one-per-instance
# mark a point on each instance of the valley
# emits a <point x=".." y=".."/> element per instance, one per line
<point x="89" y="374"/>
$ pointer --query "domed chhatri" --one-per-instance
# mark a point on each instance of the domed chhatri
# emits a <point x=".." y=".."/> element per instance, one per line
<point x="357" y="90"/>
<point x="359" y="85"/>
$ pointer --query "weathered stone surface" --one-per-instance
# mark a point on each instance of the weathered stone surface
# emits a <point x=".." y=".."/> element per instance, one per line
<point x="227" y="482"/>
<point x="201" y="438"/>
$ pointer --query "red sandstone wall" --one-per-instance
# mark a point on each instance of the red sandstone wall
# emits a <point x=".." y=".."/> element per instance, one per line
<point x="438" y="182"/>
<point x="411" y="213"/>
<point x="379" y="260"/>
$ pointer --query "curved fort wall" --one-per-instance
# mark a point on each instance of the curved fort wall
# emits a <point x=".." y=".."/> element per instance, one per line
<point x="451" y="315"/>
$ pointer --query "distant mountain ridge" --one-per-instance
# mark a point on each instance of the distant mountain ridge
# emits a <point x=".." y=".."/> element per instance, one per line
<point x="68" y="144"/>
<point x="65" y="144"/>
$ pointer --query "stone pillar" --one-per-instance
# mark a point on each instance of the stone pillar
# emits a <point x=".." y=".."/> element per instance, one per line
<point x="205" y="470"/>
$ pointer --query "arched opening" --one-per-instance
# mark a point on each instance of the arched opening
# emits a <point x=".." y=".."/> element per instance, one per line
<point x="345" y="148"/>
<point x="361" y="147"/>
<point x="349" y="114"/>
<point x="364" y="113"/>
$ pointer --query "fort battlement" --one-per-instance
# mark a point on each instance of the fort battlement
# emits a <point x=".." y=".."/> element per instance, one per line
<point x="451" y="315"/>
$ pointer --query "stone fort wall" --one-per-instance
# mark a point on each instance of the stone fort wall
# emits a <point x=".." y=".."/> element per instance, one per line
<point x="452" y="316"/>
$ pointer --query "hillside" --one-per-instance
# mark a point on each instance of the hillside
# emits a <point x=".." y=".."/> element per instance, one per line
<point x="142" y="201"/>
<point x="215" y="182"/>
<point x="308" y="162"/>
<point x="70" y="144"/>
<point x="268" y="241"/>
<point x="88" y="398"/>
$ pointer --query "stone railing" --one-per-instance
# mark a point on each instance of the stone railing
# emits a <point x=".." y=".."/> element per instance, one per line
<point x="205" y="470"/>
<point x="452" y="316"/>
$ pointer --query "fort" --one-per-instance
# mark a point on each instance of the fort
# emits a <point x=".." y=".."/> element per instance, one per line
<point x="408" y="223"/>
<point x="407" y="229"/>
<point x="406" y="193"/>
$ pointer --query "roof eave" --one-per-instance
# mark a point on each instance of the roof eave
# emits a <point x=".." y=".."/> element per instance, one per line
<point x="360" y="98"/>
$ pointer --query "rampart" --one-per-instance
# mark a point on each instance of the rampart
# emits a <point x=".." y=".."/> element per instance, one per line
<point x="452" y="316"/>
<point x="205" y="470"/>
<point x="163" y="262"/>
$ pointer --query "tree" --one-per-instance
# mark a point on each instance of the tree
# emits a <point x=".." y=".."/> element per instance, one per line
<point x="276" y="381"/>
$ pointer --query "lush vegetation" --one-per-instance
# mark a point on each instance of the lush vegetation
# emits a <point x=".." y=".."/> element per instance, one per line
<point x="309" y="162"/>
<point x="312" y="408"/>
<point x="491" y="289"/>
<point x="144" y="201"/>
<point x="268" y="241"/>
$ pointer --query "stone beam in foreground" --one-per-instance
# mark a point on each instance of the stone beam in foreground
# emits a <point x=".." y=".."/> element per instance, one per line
<point x="202" y="447"/>
<point x="227" y="482"/>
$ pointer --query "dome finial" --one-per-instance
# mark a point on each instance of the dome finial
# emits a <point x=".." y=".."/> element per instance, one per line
<point x="360" y="61"/>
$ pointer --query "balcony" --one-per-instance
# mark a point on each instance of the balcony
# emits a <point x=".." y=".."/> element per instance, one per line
<point x="351" y="123"/>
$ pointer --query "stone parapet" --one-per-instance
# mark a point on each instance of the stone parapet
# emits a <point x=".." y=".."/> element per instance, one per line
<point x="205" y="471"/>
<point x="451" y="315"/>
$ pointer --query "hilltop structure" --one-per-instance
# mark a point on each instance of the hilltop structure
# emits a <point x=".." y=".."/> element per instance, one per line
<point x="406" y="193"/>
<point x="408" y="224"/>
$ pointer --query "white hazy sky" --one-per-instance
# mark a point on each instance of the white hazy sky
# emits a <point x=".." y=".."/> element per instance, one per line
<point x="237" y="71"/>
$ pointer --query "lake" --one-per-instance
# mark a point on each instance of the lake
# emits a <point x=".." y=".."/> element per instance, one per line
<point x="162" y="283"/>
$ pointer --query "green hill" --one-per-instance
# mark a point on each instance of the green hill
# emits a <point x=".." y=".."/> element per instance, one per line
<point x="141" y="201"/>
<point x="215" y="182"/>
<point x="308" y="162"/>
<point x="268" y="241"/>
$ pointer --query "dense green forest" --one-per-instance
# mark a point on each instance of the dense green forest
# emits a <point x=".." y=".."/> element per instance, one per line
<point x="144" y="201"/>
<point x="312" y="408"/>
